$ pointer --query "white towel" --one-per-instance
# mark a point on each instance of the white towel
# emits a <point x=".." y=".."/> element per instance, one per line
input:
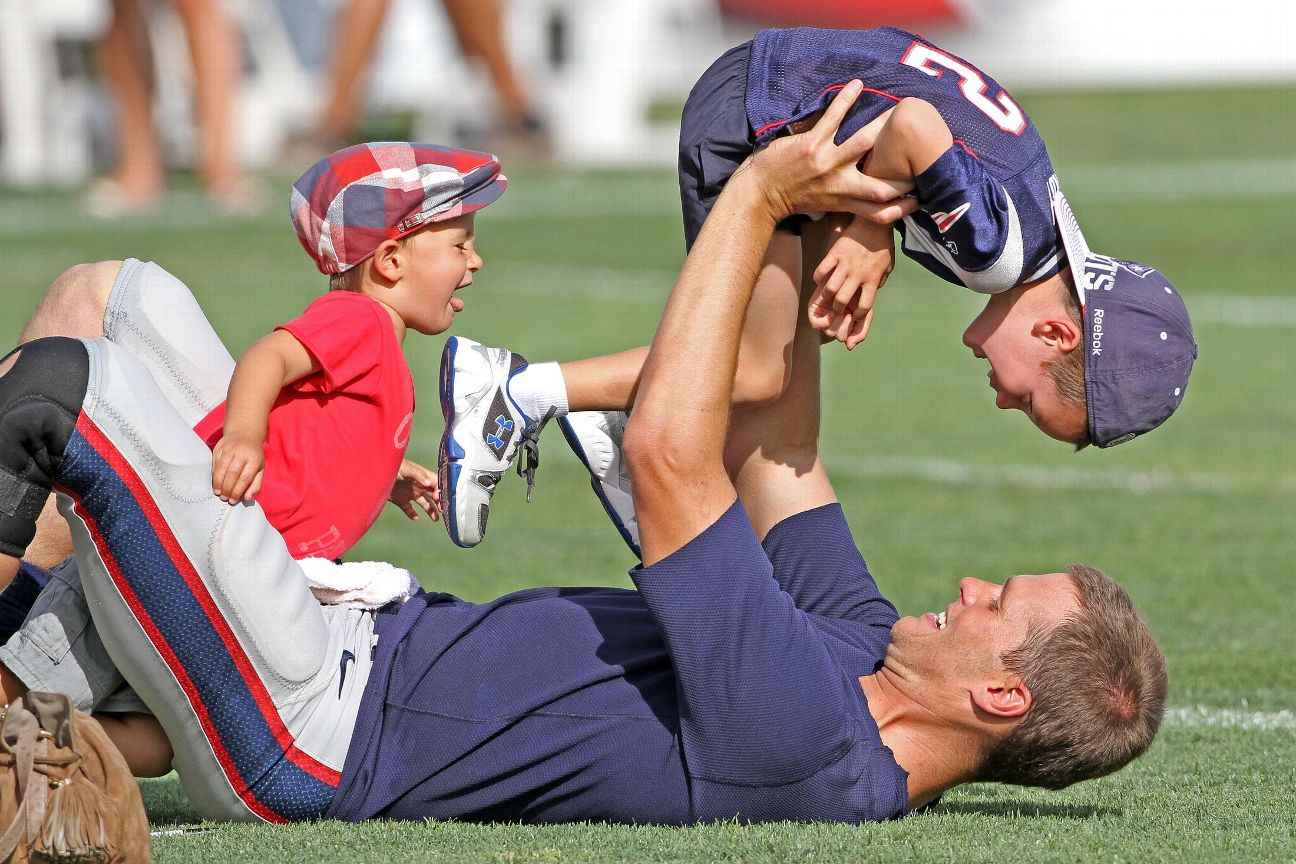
<point x="362" y="584"/>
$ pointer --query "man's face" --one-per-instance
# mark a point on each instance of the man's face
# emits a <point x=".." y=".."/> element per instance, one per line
<point x="1016" y="337"/>
<point x="985" y="621"/>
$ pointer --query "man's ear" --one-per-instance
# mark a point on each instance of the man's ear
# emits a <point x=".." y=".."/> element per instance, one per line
<point x="1003" y="698"/>
<point x="1059" y="332"/>
<point x="388" y="261"/>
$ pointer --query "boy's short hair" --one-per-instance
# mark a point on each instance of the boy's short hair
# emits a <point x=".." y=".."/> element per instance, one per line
<point x="350" y="202"/>
<point x="352" y="278"/>
<point x="1068" y="371"/>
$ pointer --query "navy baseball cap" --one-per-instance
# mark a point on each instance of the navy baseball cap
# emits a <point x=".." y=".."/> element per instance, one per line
<point x="348" y="203"/>
<point x="1139" y="345"/>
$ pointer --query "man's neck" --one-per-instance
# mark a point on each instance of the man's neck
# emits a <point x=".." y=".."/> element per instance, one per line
<point x="936" y="753"/>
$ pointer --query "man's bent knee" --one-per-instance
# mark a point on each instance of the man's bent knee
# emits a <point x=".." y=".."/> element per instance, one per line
<point x="75" y="303"/>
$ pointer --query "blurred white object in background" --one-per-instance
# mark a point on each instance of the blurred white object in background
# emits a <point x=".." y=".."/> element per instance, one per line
<point x="419" y="68"/>
<point x="600" y="67"/>
<point x="44" y="116"/>
<point x="1120" y="44"/>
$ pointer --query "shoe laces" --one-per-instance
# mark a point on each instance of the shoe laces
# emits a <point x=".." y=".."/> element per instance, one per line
<point x="529" y="444"/>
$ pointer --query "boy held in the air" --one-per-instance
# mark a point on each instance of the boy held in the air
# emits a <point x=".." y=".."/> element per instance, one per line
<point x="1093" y="349"/>
<point x="319" y="412"/>
<point x="991" y="216"/>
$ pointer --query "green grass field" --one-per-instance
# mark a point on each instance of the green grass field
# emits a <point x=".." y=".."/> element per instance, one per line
<point x="1197" y="520"/>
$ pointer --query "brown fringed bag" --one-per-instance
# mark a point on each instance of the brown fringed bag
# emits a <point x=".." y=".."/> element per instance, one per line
<point x="66" y="794"/>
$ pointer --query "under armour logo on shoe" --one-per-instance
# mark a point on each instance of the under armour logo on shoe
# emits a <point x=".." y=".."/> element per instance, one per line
<point x="503" y="426"/>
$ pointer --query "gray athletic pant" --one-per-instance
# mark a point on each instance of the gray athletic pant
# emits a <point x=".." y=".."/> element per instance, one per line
<point x="204" y="611"/>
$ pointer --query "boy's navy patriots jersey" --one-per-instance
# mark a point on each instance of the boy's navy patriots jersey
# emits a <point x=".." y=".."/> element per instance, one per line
<point x="985" y="219"/>
<point x="726" y="687"/>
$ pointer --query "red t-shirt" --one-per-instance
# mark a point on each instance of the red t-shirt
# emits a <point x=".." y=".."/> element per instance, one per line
<point x="336" y="438"/>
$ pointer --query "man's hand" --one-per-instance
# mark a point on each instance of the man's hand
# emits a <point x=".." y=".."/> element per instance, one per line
<point x="809" y="172"/>
<point x="415" y="485"/>
<point x="238" y="465"/>
<point x="859" y="260"/>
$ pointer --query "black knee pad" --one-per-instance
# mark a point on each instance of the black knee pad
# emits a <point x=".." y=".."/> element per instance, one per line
<point x="40" y="398"/>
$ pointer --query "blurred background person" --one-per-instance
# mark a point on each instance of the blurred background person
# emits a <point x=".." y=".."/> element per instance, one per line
<point x="125" y="52"/>
<point x="478" y="28"/>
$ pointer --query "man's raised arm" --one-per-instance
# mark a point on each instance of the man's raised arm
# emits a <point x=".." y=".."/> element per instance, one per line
<point x="674" y="443"/>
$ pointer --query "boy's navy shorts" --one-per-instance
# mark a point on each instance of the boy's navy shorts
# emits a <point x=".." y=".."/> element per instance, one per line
<point x="715" y="138"/>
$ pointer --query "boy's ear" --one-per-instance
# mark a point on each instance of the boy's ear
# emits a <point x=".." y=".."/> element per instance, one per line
<point x="1058" y="331"/>
<point x="388" y="261"/>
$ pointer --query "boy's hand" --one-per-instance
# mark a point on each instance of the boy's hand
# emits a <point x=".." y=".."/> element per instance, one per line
<point x="416" y="485"/>
<point x="860" y="257"/>
<point x="238" y="465"/>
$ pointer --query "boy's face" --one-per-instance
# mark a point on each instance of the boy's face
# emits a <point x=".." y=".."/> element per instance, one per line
<point x="441" y="259"/>
<point x="1020" y="336"/>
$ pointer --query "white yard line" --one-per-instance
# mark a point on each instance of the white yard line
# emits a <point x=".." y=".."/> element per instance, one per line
<point x="1241" y="311"/>
<point x="653" y="285"/>
<point x="953" y="473"/>
<point x="1206" y="180"/>
<point x="1153" y="182"/>
<point x="1202" y="716"/>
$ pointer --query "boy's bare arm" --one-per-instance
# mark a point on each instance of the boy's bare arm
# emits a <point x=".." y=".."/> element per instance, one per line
<point x="238" y="459"/>
<point x="912" y="138"/>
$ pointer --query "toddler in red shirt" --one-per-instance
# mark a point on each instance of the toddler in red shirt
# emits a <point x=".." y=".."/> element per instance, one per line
<point x="318" y="415"/>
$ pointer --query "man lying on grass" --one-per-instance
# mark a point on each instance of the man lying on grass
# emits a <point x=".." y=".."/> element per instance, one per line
<point x="757" y="672"/>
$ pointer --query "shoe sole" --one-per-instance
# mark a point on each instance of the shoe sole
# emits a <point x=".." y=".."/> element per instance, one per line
<point x="450" y="453"/>
<point x="573" y="441"/>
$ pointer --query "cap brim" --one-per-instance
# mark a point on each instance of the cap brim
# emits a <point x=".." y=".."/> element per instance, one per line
<point x="469" y="202"/>
<point x="1077" y="253"/>
<point x="478" y="198"/>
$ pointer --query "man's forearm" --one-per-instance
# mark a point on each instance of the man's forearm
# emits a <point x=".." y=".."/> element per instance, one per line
<point x="696" y="345"/>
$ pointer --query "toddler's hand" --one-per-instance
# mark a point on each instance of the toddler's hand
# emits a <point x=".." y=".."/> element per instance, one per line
<point x="416" y="485"/>
<point x="857" y="264"/>
<point x="238" y="465"/>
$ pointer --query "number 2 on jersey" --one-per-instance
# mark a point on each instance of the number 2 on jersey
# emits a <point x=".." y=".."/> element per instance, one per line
<point x="1004" y="112"/>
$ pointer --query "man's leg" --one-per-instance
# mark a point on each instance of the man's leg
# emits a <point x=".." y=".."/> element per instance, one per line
<point x="201" y="605"/>
<point x="153" y="315"/>
<point x="73" y="306"/>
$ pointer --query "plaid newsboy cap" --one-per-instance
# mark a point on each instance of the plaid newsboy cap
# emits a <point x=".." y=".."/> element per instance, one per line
<point x="349" y="202"/>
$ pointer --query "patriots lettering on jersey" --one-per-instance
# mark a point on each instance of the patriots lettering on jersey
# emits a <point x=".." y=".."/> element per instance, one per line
<point x="945" y="221"/>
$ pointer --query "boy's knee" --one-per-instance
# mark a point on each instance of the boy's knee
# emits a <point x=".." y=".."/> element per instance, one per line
<point x="75" y="303"/>
<point x="759" y="384"/>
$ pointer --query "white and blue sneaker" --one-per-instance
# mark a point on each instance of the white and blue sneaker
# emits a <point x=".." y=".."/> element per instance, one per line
<point x="484" y="431"/>
<point x="595" y="438"/>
